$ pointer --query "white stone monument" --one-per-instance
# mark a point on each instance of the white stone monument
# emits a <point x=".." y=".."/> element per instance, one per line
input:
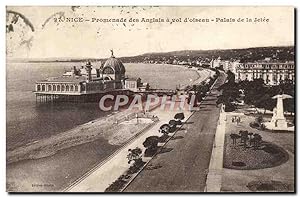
<point x="278" y="121"/>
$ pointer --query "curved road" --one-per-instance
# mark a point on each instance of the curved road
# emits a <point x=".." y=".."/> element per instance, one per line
<point x="183" y="163"/>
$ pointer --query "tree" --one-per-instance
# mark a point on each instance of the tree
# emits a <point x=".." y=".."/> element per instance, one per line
<point x="135" y="155"/>
<point x="234" y="137"/>
<point x="253" y="90"/>
<point x="172" y="124"/>
<point x="164" y="129"/>
<point x="179" y="116"/>
<point x="151" y="142"/>
<point x="230" y="94"/>
<point x="230" y="76"/>
<point x="151" y="145"/>
<point x="265" y="101"/>
<point x="257" y="140"/>
<point x="289" y="105"/>
<point x="250" y="137"/>
<point x="244" y="137"/>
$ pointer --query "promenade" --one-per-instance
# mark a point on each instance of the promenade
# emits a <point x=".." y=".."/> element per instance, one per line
<point x="183" y="166"/>
<point x="98" y="179"/>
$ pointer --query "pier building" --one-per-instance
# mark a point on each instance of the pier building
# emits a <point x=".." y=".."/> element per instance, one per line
<point x="89" y="84"/>
<point x="86" y="83"/>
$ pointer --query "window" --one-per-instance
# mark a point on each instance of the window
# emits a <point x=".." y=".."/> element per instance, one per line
<point x="43" y="87"/>
<point x="67" y="88"/>
<point x="63" y="88"/>
<point x="54" y="87"/>
<point x="76" y="87"/>
<point x="108" y="70"/>
<point x="49" y="88"/>
<point x="38" y="88"/>
<point x="58" y="87"/>
<point x="72" y="88"/>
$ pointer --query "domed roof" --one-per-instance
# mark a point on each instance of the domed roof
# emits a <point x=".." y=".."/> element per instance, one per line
<point x="115" y="63"/>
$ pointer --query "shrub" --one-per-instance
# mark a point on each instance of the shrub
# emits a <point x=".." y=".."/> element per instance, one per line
<point x="117" y="185"/>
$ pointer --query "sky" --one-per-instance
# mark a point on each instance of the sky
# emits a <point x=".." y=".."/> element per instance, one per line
<point x="95" y="39"/>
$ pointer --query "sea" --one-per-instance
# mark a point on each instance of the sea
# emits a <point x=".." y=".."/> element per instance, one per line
<point x="28" y="121"/>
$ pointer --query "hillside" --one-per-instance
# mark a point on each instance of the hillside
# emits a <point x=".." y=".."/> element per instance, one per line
<point x="284" y="53"/>
<point x="248" y="54"/>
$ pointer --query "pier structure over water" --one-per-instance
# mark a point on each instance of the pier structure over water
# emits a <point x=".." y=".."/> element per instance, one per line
<point x="89" y="84"/>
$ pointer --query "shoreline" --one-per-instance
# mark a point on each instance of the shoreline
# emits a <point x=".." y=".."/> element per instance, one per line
<point x="54" y="155"/>
<point x="48" y="146"/>
<point x="93" y="130"/>
<point x="113" y="112"/>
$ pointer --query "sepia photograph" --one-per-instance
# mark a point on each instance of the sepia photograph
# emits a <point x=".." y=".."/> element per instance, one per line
<point x="152" y="99"/>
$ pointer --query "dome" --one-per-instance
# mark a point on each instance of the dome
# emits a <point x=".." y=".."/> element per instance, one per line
<point x="115" y="64"/>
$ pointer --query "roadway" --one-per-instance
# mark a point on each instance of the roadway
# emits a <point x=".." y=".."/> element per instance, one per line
<point x="182" y="166"/>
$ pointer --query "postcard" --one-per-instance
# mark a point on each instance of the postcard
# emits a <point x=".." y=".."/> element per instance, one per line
<point x="150" y="99"/>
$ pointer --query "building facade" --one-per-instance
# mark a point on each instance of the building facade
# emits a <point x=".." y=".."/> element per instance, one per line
<point x="86" y="80"/>
<point x="271" y="72"/>
<point x="215" y="63"/>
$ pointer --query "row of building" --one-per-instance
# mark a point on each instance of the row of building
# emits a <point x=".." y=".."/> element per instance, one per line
<point x="272" y="72"/>
<point x="111" y="76"/>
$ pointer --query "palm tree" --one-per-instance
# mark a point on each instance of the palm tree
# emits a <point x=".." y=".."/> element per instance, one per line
<point x="234" y="137"/>
<point x="244" y="137"/>
<point x="250" y="136"/>
<point x="257" y="139"/>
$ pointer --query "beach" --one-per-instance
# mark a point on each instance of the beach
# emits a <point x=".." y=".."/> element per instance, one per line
<point x="52" y="163"/>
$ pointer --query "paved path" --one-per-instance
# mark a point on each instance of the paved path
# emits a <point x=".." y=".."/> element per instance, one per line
<point x="214" y="177"/>
<point x="184" y="161"/>
<point x="108" y="171"/>
<point x="111" y="169"/>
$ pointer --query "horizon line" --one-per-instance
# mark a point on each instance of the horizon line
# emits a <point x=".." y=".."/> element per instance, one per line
<point x="78" y="58"/>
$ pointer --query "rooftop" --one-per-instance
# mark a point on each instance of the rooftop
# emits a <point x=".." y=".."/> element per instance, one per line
<point x="73" y="79"/>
